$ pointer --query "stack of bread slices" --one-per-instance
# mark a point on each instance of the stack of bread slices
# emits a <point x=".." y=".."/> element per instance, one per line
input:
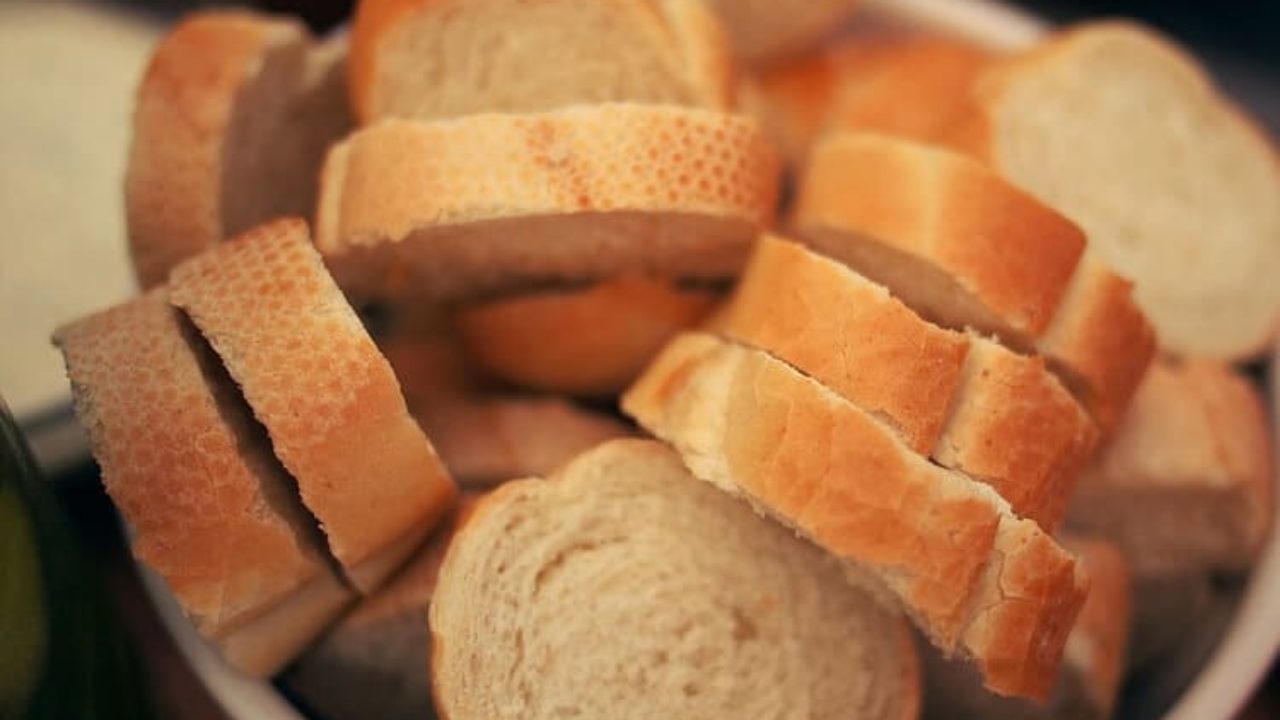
<point x="529" y="216"/>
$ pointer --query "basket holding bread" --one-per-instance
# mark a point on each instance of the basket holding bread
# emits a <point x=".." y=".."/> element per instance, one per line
<point x="661" y="358"/>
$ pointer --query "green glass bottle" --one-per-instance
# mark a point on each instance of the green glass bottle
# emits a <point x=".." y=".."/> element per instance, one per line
<point x="62" y="652"/>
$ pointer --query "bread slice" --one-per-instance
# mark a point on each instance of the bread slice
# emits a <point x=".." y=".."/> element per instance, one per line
<point x="966" y="248"/>
<point x="1185" y="207"/>
<point x="210" y="509"/>
<point x="623" y="588"/>
<point x="376" y="662"/>
<point x="233" y="118"/>
<point x="460" y="208"/>
<point x="765" y="30"/>
<point x="962" y="399"/>
<point x="1186" y="483"/>
<point x="328" y="399"/>
<point x="978" y="580"/>
<point x="590" y="342"/>
<point x="433" y="59"/>
<point x="1093" y="664"/>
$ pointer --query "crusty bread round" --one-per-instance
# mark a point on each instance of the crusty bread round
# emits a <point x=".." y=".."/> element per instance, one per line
<point x="487" y="203"/>
<point x="211" y="510"/>
<point x="327" y="397"/>
<point x="1186" y="206"/>
<point x="590" y="342"/>
<point x="232" y="120"/>
<point x="766" y="30"/>
<point x="973" y="406"/>
<point x="433" y="59"/>
<point x="966" y="248"/>
<point x="623" y="588"/>
<point x="977" y="579"/>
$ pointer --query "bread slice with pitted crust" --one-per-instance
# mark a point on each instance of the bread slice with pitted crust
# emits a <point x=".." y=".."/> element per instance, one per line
<point x="327" y="397"/>
<point x="233" y="118"/>
<point x="434" y="59"/>
<point x="978" y="580"/>
<point x="211" y="510"/>
<point x="1184" y="206"/>
<point x="492" y="203"/>
<point x="621" y="587"/>
<point x="964" y="247"/>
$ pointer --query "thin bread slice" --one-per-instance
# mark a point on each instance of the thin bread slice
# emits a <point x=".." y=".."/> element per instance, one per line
<point x="433" y="59"/>
<point x="590" y="342"/>
<point x="623" y="588"/>
<point x="975" y="578"/>
<point x="327" y="397"/>
<point x="488" y="203"/>
<point x="211" y="510"/>
<point x="966" y="248"/>
<point x="1185" y="485"/>
<point x="232" y="121"/>
<point x="1093" y="664"/>
<point x="967" y="402"/>
<point x="1185" y="207"/>
<point x="764" y="31"/>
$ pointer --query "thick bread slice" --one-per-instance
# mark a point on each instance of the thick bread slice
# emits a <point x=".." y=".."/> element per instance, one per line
<point x="1185" y="207"/>
<point x="432" y="59"/>
<point x="966" y="248"/>
<point x="211" y="510"/>
<point x="975" y="578"/>
<point x="1093" y="664"/>
<point x="462" y="208"/>
<point x="972" y="405"/>
<point x="590" y="342"/>
<point x="623" y="588"/>
<point x="376" y="662"/>
<point x="765" y="30"/>
<point x="328" y="399"/>
<point x="232" y="121"/>
<point x="1185" y="485"/>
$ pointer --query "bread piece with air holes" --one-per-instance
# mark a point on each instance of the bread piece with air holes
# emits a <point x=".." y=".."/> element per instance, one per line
<point x="233" y="118"/>
<point x="211" y="510"/>
<point x="433" y="59"/>
<point x="967" y="402"/>
<point x="462" y="208"/>
<point x="327" y="397"/>
<point x="1185" y="206"/>
<point x="966" y="248"/>
<point x="622" y="587"/>
<point x="978" y="580"/>
<point x="763" y="31"/>
<point x="1093" y="664"/>
<point x="587" y="342"/>
<point x="1186" y="484"/>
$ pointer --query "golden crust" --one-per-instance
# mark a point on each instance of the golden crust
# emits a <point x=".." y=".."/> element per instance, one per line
<point x="591" y="342"/>
<point x="328" y="399"/>
<point x="1099" y="642"/>
<point x="1015" y="255"/>
<point x="185" y="466"/>
<point x="184" y="108"/>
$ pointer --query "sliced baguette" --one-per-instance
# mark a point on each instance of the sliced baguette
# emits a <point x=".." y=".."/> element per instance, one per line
<point x="211" y="510"/>
<point x="765" y="30"/>
<point x="966" y="248"/>
<point x="457" y="209"/>
<point x="1093" y="664"/>
<point x="433" y="59"/>
<point x="978" y="580"/>
<point x="1185" y="207"/>
<point x="326" y="396"/>
<point x="695" y="606"/>
<point x="964" y="400"/>
<point x="1185" y="485"/>
<point x="233" y="118"/>
<point x="590" y="342"/>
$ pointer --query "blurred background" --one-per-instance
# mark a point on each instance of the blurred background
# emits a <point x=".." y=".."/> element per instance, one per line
<point x="67" y="76"/>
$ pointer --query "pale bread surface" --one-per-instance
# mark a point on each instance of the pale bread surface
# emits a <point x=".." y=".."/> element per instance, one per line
<point x="766" y="30"/>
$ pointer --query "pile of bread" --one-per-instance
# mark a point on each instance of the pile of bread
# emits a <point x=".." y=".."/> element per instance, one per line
<point x="921" y="435"/>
